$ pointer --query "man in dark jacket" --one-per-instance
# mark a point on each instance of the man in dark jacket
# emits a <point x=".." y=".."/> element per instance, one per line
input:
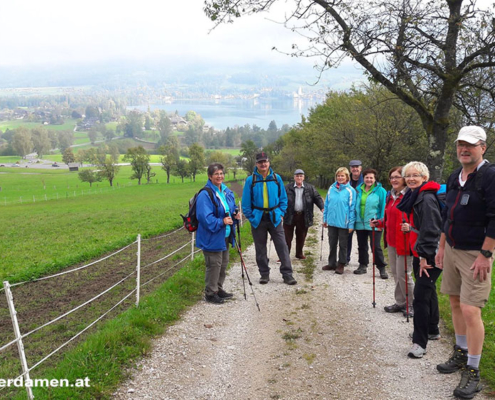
<point x="466" y="255"/>
<point x="356" y="179"/>
<point x="301" y="199"/>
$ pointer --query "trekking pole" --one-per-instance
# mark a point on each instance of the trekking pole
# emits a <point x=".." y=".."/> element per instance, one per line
<point x="270" y="246"/>
<point x="321" y="247"/>
<point x="373" y="252"/>
<point x="242" y="270"/>
<point x="405" y="270"/>
<point x="243" y="265"/>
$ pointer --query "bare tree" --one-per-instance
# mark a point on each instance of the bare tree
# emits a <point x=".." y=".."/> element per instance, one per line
<point x="433" y="55"/>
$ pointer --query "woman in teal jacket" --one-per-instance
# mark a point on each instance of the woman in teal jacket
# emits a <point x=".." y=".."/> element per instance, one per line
<point x="338" y="216"/>
<point x="370" y="205"/>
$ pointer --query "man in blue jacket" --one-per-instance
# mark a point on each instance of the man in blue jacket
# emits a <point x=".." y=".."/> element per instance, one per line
<point x="264" y="202"/>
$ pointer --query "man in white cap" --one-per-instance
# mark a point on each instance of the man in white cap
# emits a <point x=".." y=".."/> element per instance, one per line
<point x="301" y="198"/>
<point x="465" y="254"/>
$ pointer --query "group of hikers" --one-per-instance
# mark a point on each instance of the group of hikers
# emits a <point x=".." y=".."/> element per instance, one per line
<point x="424" y="237"/>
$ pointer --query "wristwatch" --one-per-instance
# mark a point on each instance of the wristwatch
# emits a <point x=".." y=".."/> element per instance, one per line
<point x="486" y="253"/>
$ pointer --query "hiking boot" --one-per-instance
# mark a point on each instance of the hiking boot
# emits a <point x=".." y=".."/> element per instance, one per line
<point x="264" y="279"/>
<point x="329" y="268"/>
<point x="469" y="384"/>
<point x="340" y="269"/>
<point x="224" y="295"/>
<point x="411" y="312"/>
<point x="383" y="273"/>
<point x="289" y="280"/>
<point x="416" y="351"/>
<point x="361" y="269"/>
<point x="394" y="308"/>
<point x="214" y="298"/>
<point x="431" y="336"/>
<point x="457" y="361"/>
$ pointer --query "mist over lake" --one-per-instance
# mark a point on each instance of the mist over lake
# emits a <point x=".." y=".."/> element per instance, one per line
<point x="223" y="113"/>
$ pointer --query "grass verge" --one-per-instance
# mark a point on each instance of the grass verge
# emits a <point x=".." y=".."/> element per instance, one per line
<point x="106" y="355"/>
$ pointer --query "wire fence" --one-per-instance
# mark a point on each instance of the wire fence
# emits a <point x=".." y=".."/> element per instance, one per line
<point x="128" y="292"/>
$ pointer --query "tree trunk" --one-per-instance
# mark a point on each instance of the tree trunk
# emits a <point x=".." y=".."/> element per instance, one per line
<point x="437" y="140"/>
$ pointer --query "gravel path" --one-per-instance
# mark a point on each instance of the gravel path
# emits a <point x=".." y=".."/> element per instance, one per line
<point x="316" y="340"/>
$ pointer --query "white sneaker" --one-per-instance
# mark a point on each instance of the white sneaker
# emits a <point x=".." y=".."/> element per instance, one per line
<point x="416" y="351"/>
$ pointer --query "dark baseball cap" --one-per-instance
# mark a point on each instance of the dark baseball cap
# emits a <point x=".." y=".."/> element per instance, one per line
<point x="261" y="156"/>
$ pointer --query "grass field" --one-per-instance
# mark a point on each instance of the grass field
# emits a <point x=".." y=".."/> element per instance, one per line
<point x="68" y="125"/>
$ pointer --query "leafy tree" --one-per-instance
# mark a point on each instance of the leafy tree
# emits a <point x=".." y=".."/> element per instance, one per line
<point x="41" y="141"/>
<point x="170" y="153"/>
<point x="22" y="141"/>
<point x="248" y="152"/>
<point x="197" y="159"/>
<point x="164" y="126"/>
<point x="92" y="135"/>
<point x="68" y="156"/>
<point x="148" y="174"/>
<point x="107" y="166"/>
<point x="76" y="115"/>
<point x="182" y="169"/>
<point x="148" y="123"/>
<point x="140" y="162"/>
<point x="109" y="134"/>
<point x="65" y="140"/>
<point x="90" y="176"/>
<point x="92" y="112"/>
<point x="134" y="124"/>
<point x="217" y="157"/>
<point x="432" y="55"/>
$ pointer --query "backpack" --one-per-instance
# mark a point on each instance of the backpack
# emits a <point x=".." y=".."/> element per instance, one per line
<point x="255" y="181"/>
<point x="190" y="219"/>
<point x="441" y="195"/>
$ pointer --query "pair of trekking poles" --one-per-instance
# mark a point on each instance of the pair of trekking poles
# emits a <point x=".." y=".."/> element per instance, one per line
<point x="374" y="265"/>
<point x="237" y="242"/>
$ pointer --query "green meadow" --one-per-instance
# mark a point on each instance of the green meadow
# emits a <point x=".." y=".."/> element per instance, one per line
<point x="68" y="125"/>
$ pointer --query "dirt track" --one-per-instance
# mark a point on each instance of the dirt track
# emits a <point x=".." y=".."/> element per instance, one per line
<point x="320" y="339"/>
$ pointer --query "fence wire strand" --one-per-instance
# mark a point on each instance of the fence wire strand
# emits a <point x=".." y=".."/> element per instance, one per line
<point x="75" y="269"/>
<point x="163" y="236"/>
<point x="167" y="256"/>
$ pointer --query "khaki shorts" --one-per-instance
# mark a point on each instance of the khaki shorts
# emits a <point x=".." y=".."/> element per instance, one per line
<point x="457" y="279"/>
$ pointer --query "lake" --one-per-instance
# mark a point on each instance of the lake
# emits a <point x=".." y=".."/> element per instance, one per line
<point x="223" y="113"/>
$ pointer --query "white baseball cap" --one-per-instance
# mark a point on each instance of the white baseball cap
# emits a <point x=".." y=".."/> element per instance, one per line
<point x="471" y="134"/>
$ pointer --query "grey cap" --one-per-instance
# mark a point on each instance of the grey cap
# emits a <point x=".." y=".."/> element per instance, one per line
<point x="355" y="163"/>
<point x="299" y="171"/>
<point x="472" y="134"/>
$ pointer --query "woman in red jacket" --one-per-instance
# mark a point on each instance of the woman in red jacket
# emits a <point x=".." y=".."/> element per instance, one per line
<point x="395" y="242"/>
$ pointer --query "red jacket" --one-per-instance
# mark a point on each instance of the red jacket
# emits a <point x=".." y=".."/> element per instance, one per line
<point x="391" y="225"/>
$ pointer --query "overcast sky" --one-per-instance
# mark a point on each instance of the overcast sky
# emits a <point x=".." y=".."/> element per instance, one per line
<point x="58" y="31"/>
<point x="61" y="31"/>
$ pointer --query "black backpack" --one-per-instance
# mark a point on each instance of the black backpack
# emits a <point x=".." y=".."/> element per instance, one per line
<point x="190" y="219"/>
<point x="255" y="181"/>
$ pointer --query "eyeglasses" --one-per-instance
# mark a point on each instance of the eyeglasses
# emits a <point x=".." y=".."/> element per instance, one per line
<point x="467" y="145"/>
<point x="262" y="162"/>
<point x="218" y="174"/>
<point x="395" y="178"/>
<point x="415" y="176"/>
<point x="355" y="166"/>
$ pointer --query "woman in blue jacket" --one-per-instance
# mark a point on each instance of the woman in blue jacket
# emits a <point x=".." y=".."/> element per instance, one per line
<point x="370" y="205"/>
<point x="215" y="227"/>
<point x="339" y="215"/>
